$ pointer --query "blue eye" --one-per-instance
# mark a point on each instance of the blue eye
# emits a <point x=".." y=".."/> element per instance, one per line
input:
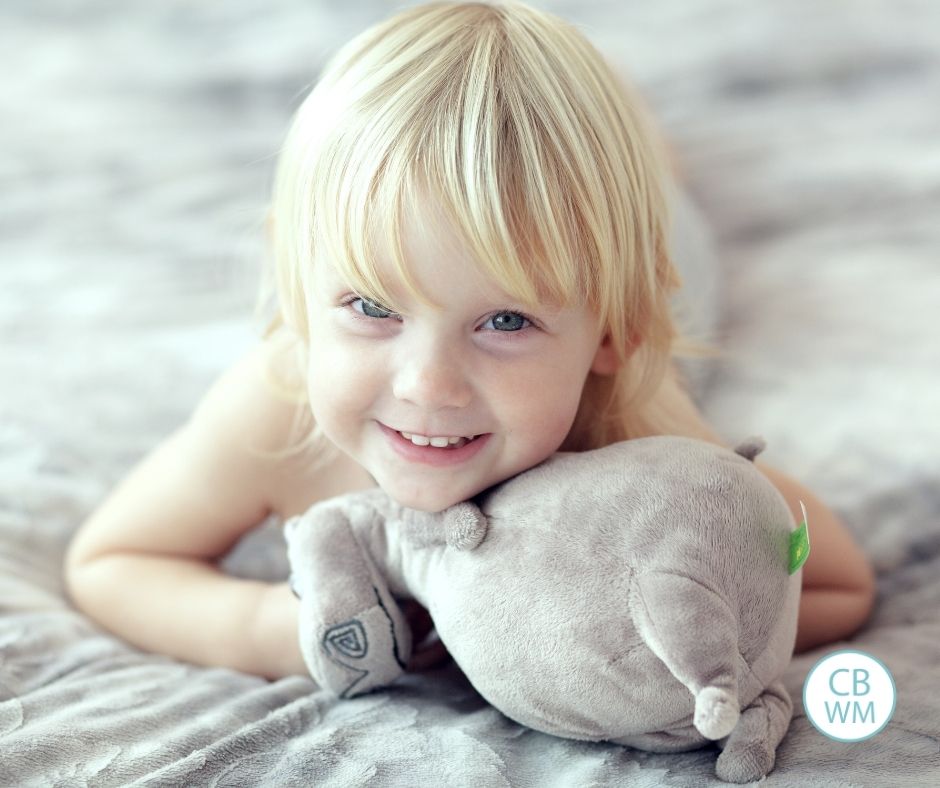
<point x="368" y="305"/>
<point x="513" y="324"/>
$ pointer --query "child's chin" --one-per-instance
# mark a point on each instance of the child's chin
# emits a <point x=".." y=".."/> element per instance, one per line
<point x="424" y="501"/>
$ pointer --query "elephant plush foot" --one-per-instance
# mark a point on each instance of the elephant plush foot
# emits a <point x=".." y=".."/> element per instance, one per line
<point x="750" y="750"/>
<point x="361" y="652"/>
<point x="745" y="763"/>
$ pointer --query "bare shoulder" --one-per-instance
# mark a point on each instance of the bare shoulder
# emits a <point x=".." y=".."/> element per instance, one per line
<point x="263" y="391"/>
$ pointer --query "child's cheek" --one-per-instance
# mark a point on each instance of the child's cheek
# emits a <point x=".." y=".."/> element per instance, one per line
<point x="342" y="387"/>
<point x="540" y="414"/>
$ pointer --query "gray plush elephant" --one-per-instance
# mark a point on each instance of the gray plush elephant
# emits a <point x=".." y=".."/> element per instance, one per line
<point x="638" y="594"/>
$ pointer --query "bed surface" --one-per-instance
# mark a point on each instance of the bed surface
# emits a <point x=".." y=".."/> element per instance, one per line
<point x="136" y="151"/>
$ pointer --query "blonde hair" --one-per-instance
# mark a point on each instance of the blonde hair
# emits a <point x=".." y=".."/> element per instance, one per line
<point x="540" y="155"/>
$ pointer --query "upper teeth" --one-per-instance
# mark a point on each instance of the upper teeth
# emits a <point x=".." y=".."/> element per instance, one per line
<point x="439" y="441"/>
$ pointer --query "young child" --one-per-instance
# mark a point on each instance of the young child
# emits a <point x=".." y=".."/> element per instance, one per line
<point x="469" y="240"/>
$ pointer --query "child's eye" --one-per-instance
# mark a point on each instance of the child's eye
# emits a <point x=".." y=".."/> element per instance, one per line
<point x="367" y="307"/>
<point x="509" y="322"/>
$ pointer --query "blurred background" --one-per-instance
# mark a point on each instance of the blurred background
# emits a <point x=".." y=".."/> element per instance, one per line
<point x="137" y="149"/>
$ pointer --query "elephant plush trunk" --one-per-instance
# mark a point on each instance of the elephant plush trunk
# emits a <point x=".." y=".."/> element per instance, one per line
<point x="461" y="526"/>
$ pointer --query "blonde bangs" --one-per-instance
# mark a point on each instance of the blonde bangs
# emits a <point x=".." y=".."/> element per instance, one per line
<point x="479" y="106"/>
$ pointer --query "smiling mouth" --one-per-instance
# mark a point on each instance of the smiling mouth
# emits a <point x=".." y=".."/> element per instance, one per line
<point x="458" y="452"/>
<point x="459" y="443"/>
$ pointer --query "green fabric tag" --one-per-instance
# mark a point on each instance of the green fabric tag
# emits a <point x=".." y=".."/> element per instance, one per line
<point x="799" y="543"/>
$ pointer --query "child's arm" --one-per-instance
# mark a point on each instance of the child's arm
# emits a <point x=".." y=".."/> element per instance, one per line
<point x="142" y="565"/>
<point x="838" y="580"/>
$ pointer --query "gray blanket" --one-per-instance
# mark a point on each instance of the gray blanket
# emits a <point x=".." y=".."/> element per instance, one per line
<point x="136" y="151"/>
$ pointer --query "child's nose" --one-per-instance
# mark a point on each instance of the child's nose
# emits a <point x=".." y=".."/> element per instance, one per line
<point x="432" y="381"/>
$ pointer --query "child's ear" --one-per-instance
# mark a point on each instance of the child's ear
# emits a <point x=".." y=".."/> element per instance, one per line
<point x="605" y="359"/>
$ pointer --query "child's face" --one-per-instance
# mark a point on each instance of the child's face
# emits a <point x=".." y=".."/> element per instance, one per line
<point x="475" y="367"/>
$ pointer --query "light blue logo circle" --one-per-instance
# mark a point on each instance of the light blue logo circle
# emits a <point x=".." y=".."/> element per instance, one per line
<point x="849" y="695"/>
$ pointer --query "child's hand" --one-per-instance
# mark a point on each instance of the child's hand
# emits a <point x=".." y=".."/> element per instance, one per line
<point x="432" y="654"/>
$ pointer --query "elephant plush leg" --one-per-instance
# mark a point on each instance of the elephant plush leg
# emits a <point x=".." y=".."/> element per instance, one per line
<point x="751" y="748"/>
<point x="353" y="636"/>
<point x="694" y="633"/>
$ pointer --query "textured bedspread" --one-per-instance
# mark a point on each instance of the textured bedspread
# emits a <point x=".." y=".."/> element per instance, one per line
<point x="136" y="151"/>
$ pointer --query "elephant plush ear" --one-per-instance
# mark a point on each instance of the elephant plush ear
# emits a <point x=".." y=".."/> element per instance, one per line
<point x="464" y="526"/>
<point x="750" y="448"/>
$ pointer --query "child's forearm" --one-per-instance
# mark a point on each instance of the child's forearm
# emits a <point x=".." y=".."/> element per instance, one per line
<point x="184" y="608"/>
